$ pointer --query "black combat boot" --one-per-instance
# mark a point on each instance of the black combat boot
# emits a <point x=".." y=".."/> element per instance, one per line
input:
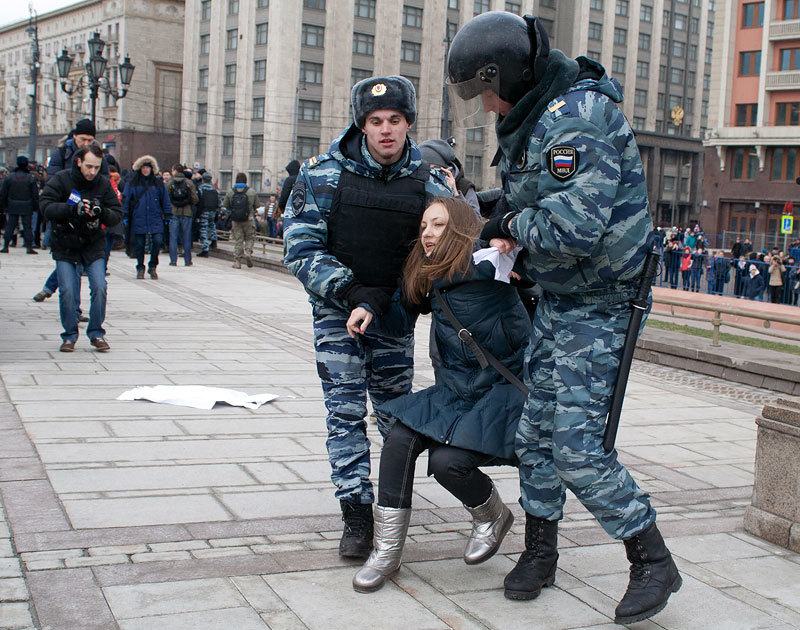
<point x="358" y="530"/>
<point x="5" y="248"/>
<point x="536" y="567"/>
<point x="654" y="577"/>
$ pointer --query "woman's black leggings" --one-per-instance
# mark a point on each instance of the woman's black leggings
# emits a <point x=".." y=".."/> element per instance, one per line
<point x="456" y="469"/>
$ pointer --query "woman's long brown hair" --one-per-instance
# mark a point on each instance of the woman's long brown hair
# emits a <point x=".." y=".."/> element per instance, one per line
<point x="451" y="255"/>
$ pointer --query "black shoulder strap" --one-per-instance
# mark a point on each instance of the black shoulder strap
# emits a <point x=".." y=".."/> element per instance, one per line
<point x="484" y="357"/>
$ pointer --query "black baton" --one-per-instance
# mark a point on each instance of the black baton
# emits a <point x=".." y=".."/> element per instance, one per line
<point x="638" y="308"/>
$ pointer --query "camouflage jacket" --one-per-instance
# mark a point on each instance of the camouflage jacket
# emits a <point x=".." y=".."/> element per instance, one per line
<point x="580" y="191"/>
<point x="305" y="227"/>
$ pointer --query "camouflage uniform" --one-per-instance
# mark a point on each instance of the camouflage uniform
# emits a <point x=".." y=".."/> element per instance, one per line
<point x="579" y="189"/>
<point x="381" y="361"/>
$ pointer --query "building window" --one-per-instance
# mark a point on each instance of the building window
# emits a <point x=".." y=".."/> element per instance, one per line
<point x="309" y="110"/>
<point x="473" y="166"/>
<point x="676" y="76"/>
<point x="669" y="183"/>
<point x="746" y="115"/>
<point x="749" y="64"/>
<point x="363" y="44"/>
<point x="258" y="108"/>
<point x="230" y="74"/>
<point x="691" y="78"/>
<point x="784" y="164"/>
<point x="694" y="25"/>
<point x="202" y="78"/>
<point x="255" y="179"/>
<point x="644" y="41"/>
<point x="233" y="7"/>
<point x="618" y="65"/>
<point x="790" y="59"/>
<point x="692" y="52"/>
<point x="200" y="147"/>
<point x="595" y="30"/>
<point x="662" y="73"/>
<point x="205" y="10"/>
<point x="410" y="52"/>
<point x="550" y="4"/>
<point x="227" y="146"/>
<point x="622" y="7"/>
<point x="262" y="4"/>
<point x="638" y="122"/>
<point x="318" y="5"/>
<point x="261" y="34"/>
<point x="232" y="39"/>
<point x="597" y="5"/>
<point x="745" y="163"/>
<point x="680" y="22"/>
<point x="357" y="74"/>
<point x="364" y="9"/>
<point x="414" y="81"/>
<point x="452" y="4"/>
<point x="475" y="134"/>
<point x="706" y="81"/>
<point x="412" y="16"/>
<point x="452" y="29"/>
<point x="310" y="72"/>
<point x="594" y="55"/>
<point x="643" y="69"/>
<point x="228" y="110"/>
<point x="205" y="44"/>
<point x="256" y="145"/>
<point x="312" y="35"/>
<point x="664" y="46"/>
<point x="516" y="7"/>
<point x="225" y="180"/>
<point x="791" y="9"/>
<point x="306" y="147"/>
<point x="753" y="14"/>
<point x="620" y="36"/>
<point x="678" y="49"/>
<point x="202" y="113"/>
<point x="640" y="97"/>
<point x="480" y="6"/>
<point x="646" y="13"/>
<point x="709" y="55"/>
<point x="260" y="70"/>
<point x="710" y="30"/>
<point x="788" y="114"/>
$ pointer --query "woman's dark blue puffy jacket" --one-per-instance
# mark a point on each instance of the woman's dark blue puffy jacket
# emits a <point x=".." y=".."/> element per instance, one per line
<point x="470" y="407"/>
<point x="151" y="205"/>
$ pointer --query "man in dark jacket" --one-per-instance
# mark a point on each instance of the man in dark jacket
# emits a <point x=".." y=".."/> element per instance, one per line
<point x="146" y="204"/>
<point x="62" y="157"/>
<point x="293" y="168"/>
<point x="183" y="197"/>
<point x="19" y="199"/>
<point x="77" y="201"/>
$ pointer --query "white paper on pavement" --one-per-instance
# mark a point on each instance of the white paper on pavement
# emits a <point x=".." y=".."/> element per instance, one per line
<point x="503" y="263"/>
<point x="196" y="396"/>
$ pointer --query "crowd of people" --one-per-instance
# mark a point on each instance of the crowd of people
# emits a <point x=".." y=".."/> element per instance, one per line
<point x="766" y="275"/>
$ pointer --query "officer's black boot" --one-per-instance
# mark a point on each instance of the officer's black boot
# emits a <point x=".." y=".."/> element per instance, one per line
<point x="536" y="567"/>
<point x="358" y="530"/>
<point x="654" y="577"/>
<point x="5" y="248"/>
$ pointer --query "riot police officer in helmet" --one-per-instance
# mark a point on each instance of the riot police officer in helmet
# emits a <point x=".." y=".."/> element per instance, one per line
<point x="574" y="197"/>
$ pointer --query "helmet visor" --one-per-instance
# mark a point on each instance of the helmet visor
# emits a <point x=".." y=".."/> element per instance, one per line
<point x="467" y="101"/>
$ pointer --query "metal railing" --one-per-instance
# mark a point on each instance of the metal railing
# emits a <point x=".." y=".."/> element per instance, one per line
<point x="225" y="235"/>
<point x="717" y="322"/>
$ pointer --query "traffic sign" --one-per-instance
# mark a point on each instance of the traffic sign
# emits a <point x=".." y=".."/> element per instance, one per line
<point x="787" y="224"/>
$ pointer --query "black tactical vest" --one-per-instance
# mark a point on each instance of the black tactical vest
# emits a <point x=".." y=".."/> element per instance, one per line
<point x="373" y="224"/>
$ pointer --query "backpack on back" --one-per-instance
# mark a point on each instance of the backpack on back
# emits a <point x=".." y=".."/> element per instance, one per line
<point x="179" y="193"/>
<point x="209" y="200"/>
<point x="240" y="208"/>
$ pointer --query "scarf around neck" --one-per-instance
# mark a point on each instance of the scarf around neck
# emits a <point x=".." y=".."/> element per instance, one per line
<point x="515" y="128"/>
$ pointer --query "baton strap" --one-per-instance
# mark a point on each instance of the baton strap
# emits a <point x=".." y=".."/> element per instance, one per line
<point x="483" y="356"/>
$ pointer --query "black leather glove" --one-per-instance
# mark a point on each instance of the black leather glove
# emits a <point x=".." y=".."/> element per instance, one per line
<point x="498" y="227"/>
<point x="354" y="293"/>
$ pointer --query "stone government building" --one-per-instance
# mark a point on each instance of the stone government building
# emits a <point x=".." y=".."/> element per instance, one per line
<point x="147" y="120"/>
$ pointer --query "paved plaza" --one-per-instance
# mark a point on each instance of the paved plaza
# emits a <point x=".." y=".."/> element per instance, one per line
<point x="137" y="515"/>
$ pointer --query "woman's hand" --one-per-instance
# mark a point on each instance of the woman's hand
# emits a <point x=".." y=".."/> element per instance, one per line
<point x="359" y="319"/>
<point x="505" y="245"/>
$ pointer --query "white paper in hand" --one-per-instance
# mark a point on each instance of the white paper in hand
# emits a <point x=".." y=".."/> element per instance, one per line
<point x="196" y="396"/>
<point x="503" y="263"/>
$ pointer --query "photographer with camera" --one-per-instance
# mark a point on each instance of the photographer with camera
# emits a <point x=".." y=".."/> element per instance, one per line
<point x="79" y="201"/>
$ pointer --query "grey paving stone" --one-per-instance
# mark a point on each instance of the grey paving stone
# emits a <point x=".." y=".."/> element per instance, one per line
<point x="453" y="576"/>
<point x="69" y="598"/>
<point x="239" y="618"/>
<point x="713" y="548"/>
<point x="9" y="567"/>
<point x="12" y="590"/>
<point x="161" y="556"/>
<point x="15" y="615"/>
<point x="32" y="506"/>
<point x="258" y="594"/>
<point x="326" y="599"/>
<point x="282" y="503"/>
<point x="771" y="577"/>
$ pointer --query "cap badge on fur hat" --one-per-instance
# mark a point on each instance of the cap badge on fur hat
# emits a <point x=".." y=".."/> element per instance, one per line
<point x="379" y="89"/>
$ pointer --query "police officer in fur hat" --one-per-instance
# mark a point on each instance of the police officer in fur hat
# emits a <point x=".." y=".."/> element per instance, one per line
<point x="352" y="217"/>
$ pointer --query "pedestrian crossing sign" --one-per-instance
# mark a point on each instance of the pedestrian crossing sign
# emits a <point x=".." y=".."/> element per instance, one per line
<point x="786" y="224"/>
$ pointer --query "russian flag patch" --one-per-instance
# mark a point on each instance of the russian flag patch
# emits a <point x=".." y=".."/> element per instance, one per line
<point x="562" y="162"/>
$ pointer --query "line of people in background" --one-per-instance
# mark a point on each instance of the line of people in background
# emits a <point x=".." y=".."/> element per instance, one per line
<point x="772" y="276"/>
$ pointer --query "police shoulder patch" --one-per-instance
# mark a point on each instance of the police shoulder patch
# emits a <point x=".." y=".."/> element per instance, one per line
<point x="562" y="161"/>
<point x="299" y="196"/>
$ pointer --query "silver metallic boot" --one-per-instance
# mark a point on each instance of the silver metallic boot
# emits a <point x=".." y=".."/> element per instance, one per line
<point x="490" y="524"/>
<point x="391" y="527"/>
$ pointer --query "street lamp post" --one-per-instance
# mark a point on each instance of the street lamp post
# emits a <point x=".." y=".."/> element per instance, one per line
<point x="33" y="33"/>
<point x="95" y="73"/>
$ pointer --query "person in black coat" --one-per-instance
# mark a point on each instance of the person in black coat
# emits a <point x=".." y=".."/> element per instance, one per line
<point x="78" y="202"/>
<point x="19" y="199"/>
<point x="293" y="168"/>
<point x="753" y="284"/>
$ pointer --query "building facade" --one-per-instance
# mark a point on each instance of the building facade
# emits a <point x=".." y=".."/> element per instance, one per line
<point x="147" y="120"/>
<point x="269" y="80"/>
<point x="753" y="141"/>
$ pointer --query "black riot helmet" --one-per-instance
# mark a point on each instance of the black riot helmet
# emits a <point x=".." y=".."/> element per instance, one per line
<point x="496" y="51"/>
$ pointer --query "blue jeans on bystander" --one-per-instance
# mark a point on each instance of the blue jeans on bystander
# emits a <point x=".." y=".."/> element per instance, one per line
<point x="69" y="290"/>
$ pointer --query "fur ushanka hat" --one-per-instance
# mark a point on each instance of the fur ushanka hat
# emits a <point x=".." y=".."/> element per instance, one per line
<point x="393" y="92"/>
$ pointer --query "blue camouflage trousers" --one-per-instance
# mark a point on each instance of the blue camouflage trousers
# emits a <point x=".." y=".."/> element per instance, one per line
<point x="208" y="230"/>
<point x="375" y="363"/>
<point x="571" y="368"/>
